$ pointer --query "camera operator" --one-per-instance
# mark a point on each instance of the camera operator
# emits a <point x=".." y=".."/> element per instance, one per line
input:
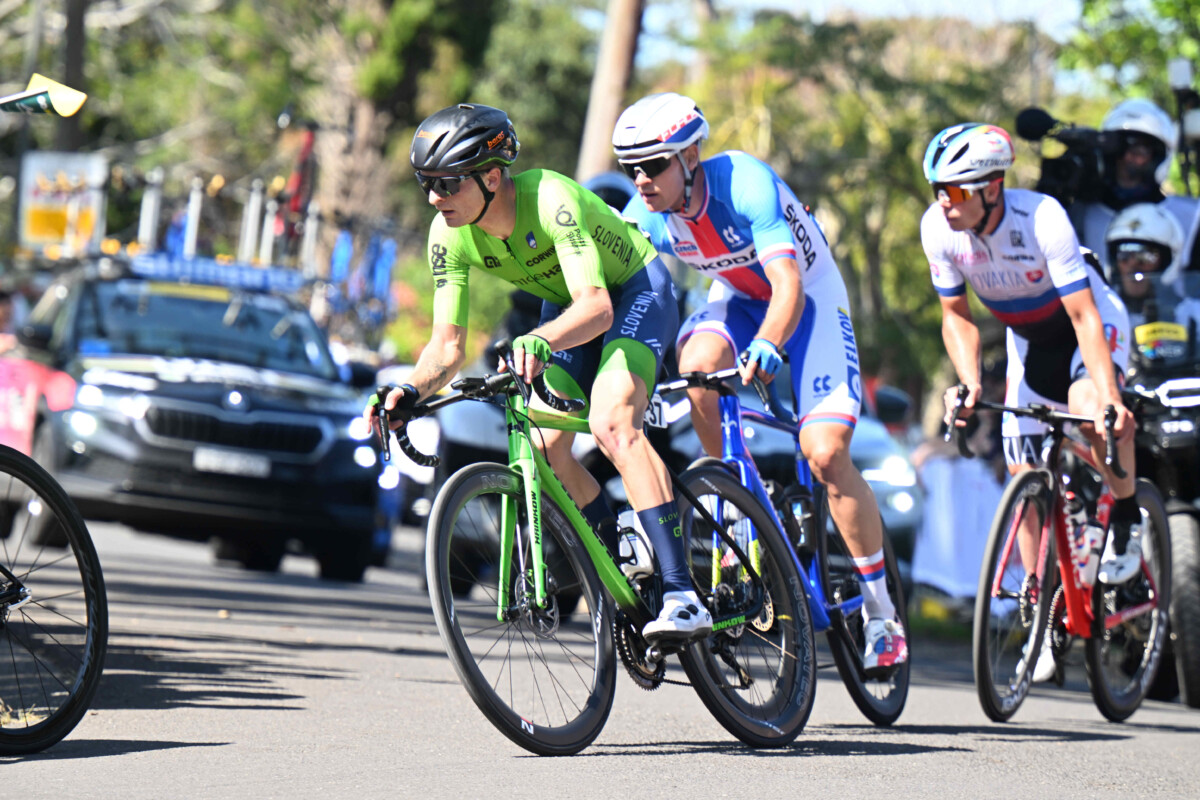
<point x="1138" y="145"/>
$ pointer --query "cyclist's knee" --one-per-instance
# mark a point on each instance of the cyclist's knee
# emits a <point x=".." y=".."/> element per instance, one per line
<point x="828" y="456"/>
<point x="705" y="352"/>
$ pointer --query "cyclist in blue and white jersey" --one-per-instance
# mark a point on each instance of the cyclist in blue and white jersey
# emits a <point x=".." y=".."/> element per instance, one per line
<point x="775" y="287"/>
<point x="1068" y="332"/>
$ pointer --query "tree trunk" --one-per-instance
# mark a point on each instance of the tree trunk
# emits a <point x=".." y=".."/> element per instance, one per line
<point x="70" y="137"/>
<point x="614" y="66"/>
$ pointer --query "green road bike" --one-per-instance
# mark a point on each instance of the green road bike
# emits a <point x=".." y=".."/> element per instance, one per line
<point x="534" y="609"/>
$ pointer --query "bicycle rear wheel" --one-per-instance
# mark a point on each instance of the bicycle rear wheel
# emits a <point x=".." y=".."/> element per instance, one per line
<point x="880" y="699"/>
<point x="758" y="677"/>
<point x="1130" y="625"/>
<point x="1009" y="623"/>
<point x="544" y="677"/>
<point x="53" y="610"/>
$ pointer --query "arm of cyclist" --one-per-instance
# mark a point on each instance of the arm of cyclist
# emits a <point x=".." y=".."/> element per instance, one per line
<point x="961" y="337"/>
<point x="437" y="365"/>
<point x="1093" y="346"/>
<point x="779" y="323"/>
<point x="589" y="315"/>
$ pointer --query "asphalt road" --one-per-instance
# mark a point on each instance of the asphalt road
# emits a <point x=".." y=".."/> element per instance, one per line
<point x="222" y="683"/>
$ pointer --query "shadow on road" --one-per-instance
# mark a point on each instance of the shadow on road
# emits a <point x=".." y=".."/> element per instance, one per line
<point x="93" y="748"/>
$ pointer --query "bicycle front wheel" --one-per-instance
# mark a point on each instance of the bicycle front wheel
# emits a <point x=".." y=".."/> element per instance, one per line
<point x="545" y="677"/>
<point x="881" y="699"/>
<point x="53" y="609"/>
<point x="1129" y="627"/>
<point x="757" y="677"/>
<point x="1010" y="616"/>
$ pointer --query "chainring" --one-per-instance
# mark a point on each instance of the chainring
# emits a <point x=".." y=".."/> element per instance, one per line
<point x="631" y="647"/>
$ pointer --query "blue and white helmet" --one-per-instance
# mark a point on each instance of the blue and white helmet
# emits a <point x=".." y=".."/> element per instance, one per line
<point x="968" y="152"/>
<point x="658" y="125"/>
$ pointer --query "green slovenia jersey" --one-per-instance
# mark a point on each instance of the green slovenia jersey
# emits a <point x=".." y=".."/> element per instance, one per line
<point x="565" y="238"/>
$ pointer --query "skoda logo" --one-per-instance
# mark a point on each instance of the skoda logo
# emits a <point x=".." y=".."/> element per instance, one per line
<point x="235" y="401"/>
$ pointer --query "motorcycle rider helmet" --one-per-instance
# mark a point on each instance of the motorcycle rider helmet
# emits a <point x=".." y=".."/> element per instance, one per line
<point x="1140" y="116"/>
<point x="1149" y="233"/>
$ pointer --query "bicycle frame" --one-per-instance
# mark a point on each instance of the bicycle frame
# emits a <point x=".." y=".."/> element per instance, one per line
<point x="532" y="465"/>
<point x="1077" y="596"/>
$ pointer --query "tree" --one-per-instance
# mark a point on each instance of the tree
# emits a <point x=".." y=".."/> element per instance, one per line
<point x="1127" y="43"/>
<point x="843" y="110"/>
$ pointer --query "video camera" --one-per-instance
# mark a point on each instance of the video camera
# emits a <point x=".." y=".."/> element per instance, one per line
<point x="1078" y="175"/>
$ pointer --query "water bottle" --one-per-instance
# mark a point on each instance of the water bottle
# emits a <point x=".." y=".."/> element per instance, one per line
<point x="634" y="552"/>
<point x="1090" y="541"/>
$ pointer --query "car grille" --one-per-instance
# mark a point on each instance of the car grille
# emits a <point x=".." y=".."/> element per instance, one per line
<point x="278" y="437"/>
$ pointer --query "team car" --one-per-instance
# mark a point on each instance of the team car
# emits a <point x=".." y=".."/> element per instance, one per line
<point x="199" y="400"/>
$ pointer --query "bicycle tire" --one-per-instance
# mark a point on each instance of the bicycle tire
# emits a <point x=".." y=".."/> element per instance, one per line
<point x="506" y="665"/>
<point x="1122" y="662"/>
<point x="1185" y="604"/>
<point x="776" y="650"/>
<point x="881" y="701"/>
<point x="1004" y="636"/>
<point x="52" y="646"/>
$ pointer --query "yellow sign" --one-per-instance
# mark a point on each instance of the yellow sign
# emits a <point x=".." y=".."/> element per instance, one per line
<point x="44" y="96"/>
<point x="1153" y="332"/>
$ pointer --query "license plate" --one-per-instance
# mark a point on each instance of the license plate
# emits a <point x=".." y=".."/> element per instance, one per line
<point x="227" y="462"/>
<point x="655" y="418"/>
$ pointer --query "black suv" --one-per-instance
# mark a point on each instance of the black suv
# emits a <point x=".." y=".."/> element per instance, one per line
<point x="199" y="400"/>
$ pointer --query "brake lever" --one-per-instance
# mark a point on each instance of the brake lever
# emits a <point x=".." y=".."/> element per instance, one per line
<point x="382" y="421"/>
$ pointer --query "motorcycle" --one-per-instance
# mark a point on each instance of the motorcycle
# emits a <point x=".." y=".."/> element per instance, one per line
<point x="1164" y="371"/>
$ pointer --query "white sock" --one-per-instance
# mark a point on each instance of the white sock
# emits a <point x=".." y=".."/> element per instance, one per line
<point x="872" y="576"/>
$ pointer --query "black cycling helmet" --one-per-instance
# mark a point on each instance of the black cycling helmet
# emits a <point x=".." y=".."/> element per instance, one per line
<point x="464" y="138"/>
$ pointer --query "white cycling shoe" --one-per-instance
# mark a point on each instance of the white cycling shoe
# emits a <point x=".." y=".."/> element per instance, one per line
<point x="683" y="617"/>
<point x="1044" y="669"/>
<point x="1117" y="569"/>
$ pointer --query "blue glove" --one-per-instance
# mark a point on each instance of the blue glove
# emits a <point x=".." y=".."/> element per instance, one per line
<point x="765" y="355"/>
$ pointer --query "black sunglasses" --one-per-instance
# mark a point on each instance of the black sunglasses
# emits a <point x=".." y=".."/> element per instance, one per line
<point x="651" y="168"/>
<point x="443" y="186"/>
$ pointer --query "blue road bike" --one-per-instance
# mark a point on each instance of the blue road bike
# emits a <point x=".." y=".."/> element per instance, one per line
<point x="819" y="549"/>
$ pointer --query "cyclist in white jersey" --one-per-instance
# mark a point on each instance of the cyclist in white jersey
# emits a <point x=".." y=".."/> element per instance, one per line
<point x="775" y="287"/>
<point x="1068" y="332"/>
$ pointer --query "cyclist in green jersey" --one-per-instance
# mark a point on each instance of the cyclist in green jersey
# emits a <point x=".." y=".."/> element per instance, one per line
<point x="608" y="313"/>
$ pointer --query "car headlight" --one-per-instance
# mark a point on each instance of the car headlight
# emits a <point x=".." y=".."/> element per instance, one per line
<point x="90" y="396"/>
<point x="902" y="501"/>
<point x="83" y="423"/>
<point x="894" y="471"/>
<point x="364" y="456"/>
<point x="359" y="429"/>
<point x="133" y="406"/>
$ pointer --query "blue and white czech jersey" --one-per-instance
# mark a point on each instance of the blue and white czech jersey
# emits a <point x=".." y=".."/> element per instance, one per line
<point x="749" y="218"/>
<point x="1021" y="272"/>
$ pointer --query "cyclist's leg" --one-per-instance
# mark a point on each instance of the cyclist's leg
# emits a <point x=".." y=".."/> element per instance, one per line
<point x="1120" y="560"/>
<point x="1023" y="436"/>
<point x="828" y="388"/>
<point x="706" y="344"/>
<point x="645" y="318"/>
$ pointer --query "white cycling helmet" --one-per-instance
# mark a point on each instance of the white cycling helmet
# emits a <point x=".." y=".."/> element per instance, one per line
<point x="969" y="152"/>
<point x="1146" y="223"/>
<point x="1141" y="116"/>
<point x="658" y="125"/>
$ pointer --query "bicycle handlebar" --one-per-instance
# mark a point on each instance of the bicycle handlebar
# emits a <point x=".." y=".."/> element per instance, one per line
<point x="1043" y="413"/>
<point x="768" y="393"/>
<point x="467" y="389"/>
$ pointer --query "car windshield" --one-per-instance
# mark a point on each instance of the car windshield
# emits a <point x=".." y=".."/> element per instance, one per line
<point x="200" y="322"/>
<point x="1164" y="317"/>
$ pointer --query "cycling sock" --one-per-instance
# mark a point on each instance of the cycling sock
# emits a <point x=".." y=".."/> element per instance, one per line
<point x="600" y="514"/>
<point x="872" y="574"/>
<point x="1125" y="514"/>
<point x="661" y="524"/>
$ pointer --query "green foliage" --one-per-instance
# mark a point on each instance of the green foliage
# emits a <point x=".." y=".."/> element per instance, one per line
<point x="843" y="111"/>
<point x="1127" y="43"/>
